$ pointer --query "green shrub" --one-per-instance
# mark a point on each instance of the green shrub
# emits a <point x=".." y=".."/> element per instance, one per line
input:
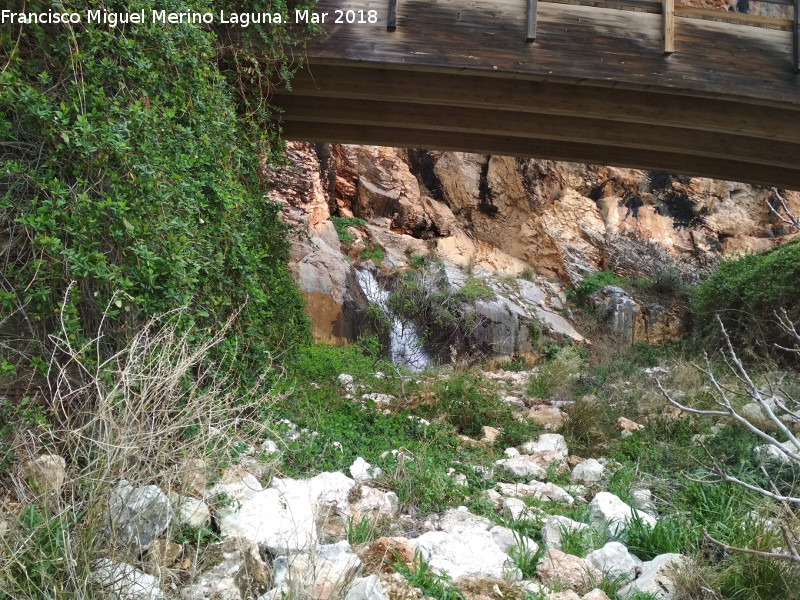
<point x="556" y="374"/>
<point x="129" y="164"/>
<point x="745" y="293"/>
<point x="595" y="281"/>
<point x="340" y="224"/>
<point x="474" y="289"/>
<point x="528" y="273"/>
<point x="466" y="401"/>
<point x="373" y="253"/>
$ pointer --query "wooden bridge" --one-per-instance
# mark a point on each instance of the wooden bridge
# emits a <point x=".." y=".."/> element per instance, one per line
<point x="622" y="82"/>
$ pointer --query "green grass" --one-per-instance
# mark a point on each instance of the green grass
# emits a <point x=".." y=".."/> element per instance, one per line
<point x="525" y="558"/>
<point x="433" y="585"/>
<point x="670" y="534"/>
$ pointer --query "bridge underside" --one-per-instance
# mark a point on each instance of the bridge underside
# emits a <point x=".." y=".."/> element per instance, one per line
<point x="594" y="87"/>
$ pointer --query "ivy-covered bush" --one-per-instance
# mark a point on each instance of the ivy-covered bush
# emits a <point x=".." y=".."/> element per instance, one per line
<point x="747" y="292"/>
<point x="129" y="163"/>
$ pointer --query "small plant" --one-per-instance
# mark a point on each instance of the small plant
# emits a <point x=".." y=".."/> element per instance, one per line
<point x="340" y="224"/>
<point x="556" y="374"/>
<point x="528" y="273"/>
<point x="432" y="584"/>
<point x="364" y="530"/>
<point x="595" y="281"/>
<point x="669" y="534"/>
<point x="198" y="536"/>
<point x="578" y="542"/>
<point x="373" y="253"/>
<point x="474" y="289"/>
<point x="524" y="558"/>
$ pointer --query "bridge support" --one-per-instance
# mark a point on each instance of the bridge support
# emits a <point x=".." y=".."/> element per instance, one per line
<point x="530" y="36"/>
<point x="796" y="37"/>
<point x="391" y="21"/>
<point x="668" y="8"/>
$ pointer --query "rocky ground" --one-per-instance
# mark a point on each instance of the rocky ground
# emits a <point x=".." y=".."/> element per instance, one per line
<point x="538" y="520"/>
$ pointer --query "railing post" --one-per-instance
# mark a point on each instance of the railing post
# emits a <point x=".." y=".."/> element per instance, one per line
<point x="530" y="36"/>
<point x="796" y="38"/>
<point x="391" y="22"/>
<point x="668" y="9"/>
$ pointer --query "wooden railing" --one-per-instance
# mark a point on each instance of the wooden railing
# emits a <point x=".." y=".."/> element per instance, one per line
<point x="670" y="9"/>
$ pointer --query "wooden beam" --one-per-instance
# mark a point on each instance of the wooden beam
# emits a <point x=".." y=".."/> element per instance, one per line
<point x="612" y="104"/>
<point x="530" y="36"/>
<point x="688" y="142"/>
<point x="391" y="22"/>
<point x="582" y="45"/>
<point x="765" y="175"/>
<point x="668" y="8"/>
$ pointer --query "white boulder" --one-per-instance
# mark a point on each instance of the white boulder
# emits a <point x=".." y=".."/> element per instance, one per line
<point x="614" y="559"/>
<point x="657" y="578"/>
<point x="608" y="512"/>
<point x="588" y="472"/>
<point x="554" y="528"/>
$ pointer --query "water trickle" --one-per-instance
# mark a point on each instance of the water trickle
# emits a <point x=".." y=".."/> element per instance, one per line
<point x="405" y="346"/>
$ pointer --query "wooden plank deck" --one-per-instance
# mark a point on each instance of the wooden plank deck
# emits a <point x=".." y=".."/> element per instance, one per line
<point x="725" y="103"/>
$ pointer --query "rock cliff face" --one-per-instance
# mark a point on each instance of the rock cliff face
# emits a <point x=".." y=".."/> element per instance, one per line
<point x="503" y="215"/>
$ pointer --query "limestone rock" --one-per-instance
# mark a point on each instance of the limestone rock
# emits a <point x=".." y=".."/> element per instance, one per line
<point x="632" y="321"/>
<point x="643" y="500"/>
<point x="276" y="521"/>
<point x="121" y="581"/>
<point x="137" y="516"/>
<point x="322" y="574"/>
<point x="235" y="487"/>
<point x="375" y="503"/>
<point x="472" y="552"/>
<point x="624" y="425"/>
<point x="397" y="587"/>
<point x="656" y="578"/>
<point x="554" y="528"/>
<point x="514" y="507"/>
<point x="44" y="473"/>
<point x="572" y="572"/>
<point x="547" y="441"/>
<point x="546" y="492"/>
<point x="483" y="588"/>
<point x="361" y="470"/>
<point x="506" y="539"/>
<point x="164" y="553"/>
<point x="193" y="476"/>
<point x="614" y="559"/>
<point x="378" y="554"/>
<point x="551" y="418"/>
<point x="596" y="594"/>
<point x="459" y="520"/>
<point x="565" y="595"/>
<point x="610" y="513"/>
<point x="366" y="588"/>
<point x="768" y="453"/>
<point x="588" y="472"/>
<point x="190" y="511"/>
<point x="229" y="570"/>
<point x="489" y="434"/>
<point x="522" y="466"/>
